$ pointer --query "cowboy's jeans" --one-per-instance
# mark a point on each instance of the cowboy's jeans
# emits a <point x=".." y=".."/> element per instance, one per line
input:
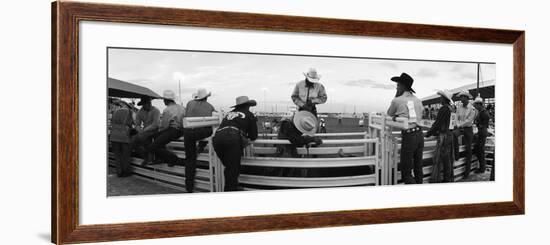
<point x="228" y="146"/>
<point x="480" y="149"/>
<point x="159" y="144"/>
<point x="122" y="156"/>
<point x="190" y="138"/>
<point x="412" y="146"/>
<point x="468" y="134"/>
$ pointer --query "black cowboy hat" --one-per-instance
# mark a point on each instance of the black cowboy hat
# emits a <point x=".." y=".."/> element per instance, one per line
<point x="144" y="100"/>
<point x="404" y="79"/>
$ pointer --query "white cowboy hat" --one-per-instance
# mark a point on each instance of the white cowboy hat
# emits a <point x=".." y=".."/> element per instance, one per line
<point x="201" y="94"/>
<point x="241" y="100"/>
<point x="312" y="75"/>
<point x="169" y="95"/>
<point x="464" y="93"/>
<point x="478" y="100"/>
<point x="305" y="122"/>
<point x="445" y="93"/>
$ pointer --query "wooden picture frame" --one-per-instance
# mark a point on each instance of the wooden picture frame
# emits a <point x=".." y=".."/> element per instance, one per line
<point x="65" y="121"/>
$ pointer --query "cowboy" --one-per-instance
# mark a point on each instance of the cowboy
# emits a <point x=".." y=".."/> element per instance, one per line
<point x="237" y="129"/>
<point x="441" y="128"/>
<point x="198" y="107"/>
<point x="482" y="123"/>
<point x="322" y="126"/>
<point x="405" y="104"/>
<point x="120" y="137"/>
<point x="300" y="131"/>
<point x="171" y="128"/>
<point x="466" y="114"/>
<point x="309" y="92"/>
<point x="147" y="123"/>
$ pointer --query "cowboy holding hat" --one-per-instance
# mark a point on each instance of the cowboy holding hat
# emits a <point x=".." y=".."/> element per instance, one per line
<point x="443" y="148"/>
<point x="236" y="130"/>
<point x="309" y="92"/>
<point x="171" y="128"/>
<point x="466" y="115"/>
<point x="482" y="123"/>
<point x="198" y="107"/>
<point x="407" y="105"/>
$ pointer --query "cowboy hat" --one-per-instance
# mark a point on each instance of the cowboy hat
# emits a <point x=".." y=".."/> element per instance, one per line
<point x="404" y="79"/>
<point x="312" y="75"/>
<point x="242" y="100"/>
<point x="446" y="94"/>
<point x="201" y="94"/>
<point x="169" y="95"/>
<point x="305" y="122"/>
<point x="478" y="100"/>
<point x="464" y="93"/>
<point x="144" y="100"/>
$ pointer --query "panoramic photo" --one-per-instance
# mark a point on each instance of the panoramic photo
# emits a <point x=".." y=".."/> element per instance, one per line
<point x="191" y="121"/>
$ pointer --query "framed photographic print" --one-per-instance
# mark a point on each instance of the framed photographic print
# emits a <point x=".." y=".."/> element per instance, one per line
<point x="176" y="122"/>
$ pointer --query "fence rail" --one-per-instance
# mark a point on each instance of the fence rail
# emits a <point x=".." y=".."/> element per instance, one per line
<point x="378" y="148"/>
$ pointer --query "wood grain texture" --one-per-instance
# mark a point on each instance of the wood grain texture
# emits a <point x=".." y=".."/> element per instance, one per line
<point x="54" y="122"/>
<point x="519" y="123"/>
<point x="65" y="121"/>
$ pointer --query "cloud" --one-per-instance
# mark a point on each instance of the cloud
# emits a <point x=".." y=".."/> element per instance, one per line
<point x="458" y="68"/>
<point x="462" y="71"/>
<point x="368" y="83"/>
<point x="427" y="72"/>
<point x="467" y="75"/>
<point x="383" y="86"/>
<point x="389" y="65"/>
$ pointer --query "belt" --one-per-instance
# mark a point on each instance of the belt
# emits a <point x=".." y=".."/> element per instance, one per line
<point x="229" y="127"/>
<point x="411" y="130"/>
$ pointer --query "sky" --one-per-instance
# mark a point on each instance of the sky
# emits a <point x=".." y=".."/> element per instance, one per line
<point x="352" y="84"/>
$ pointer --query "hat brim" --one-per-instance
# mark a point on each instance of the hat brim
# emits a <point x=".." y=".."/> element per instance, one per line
<point x="249" y="102"/>
<point x="398" y="80"/>
<point x="205" y="96"/>
<point x="442" y="94"/>
<point x="302" y="114"/>
<point x="312" y="78"/>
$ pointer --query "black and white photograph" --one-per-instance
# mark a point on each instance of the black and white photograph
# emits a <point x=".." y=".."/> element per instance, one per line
<point x="192" y="121"/>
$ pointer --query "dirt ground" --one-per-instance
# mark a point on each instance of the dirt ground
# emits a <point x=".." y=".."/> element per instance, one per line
<point x="135" y="185"/>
